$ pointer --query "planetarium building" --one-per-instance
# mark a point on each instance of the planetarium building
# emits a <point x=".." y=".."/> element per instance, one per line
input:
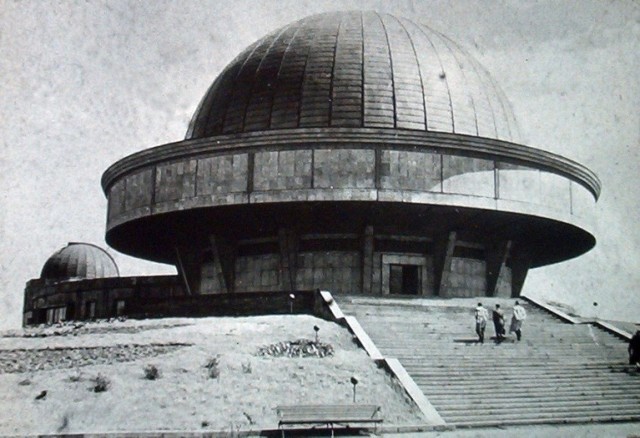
<point x="355" y="152"/>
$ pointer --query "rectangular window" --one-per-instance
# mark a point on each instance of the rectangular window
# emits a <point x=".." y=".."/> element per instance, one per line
<point x="50" y="315"/>
<point x="62" y="314"/>
<point x="56" y="314"/>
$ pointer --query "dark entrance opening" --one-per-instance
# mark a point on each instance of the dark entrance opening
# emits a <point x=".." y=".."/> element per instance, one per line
<point x="90" y="310"/>
<point x="119" y="307"/>
<point x="404" y="280"/>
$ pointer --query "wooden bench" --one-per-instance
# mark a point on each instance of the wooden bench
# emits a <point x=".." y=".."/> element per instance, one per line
<point x="327" y="416"/>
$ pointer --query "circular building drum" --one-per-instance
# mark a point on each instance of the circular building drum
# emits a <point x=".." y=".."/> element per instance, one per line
<point x="356" y="152"/>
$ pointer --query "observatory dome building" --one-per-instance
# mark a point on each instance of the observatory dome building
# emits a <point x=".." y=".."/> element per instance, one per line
<point x="71" y="285"/>
<point x="79" y="261"/>
<point x="356" y="152"/>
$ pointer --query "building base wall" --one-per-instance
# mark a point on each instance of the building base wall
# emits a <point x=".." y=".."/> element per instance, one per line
<point x="342" y="272"/>
<point x="382" y="272"/>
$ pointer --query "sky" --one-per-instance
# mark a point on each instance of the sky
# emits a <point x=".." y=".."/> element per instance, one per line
<point x="86" y="83"/>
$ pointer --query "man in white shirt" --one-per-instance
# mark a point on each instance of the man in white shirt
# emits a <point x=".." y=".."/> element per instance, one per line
<point x="481" y="315"/>
<point x="519" y="315"/>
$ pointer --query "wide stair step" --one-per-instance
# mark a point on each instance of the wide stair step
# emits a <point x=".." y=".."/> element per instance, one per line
<point x="558" y="373"/>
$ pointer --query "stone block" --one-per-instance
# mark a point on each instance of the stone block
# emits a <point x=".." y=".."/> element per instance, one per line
<point x="139" y="189"/>
<point x="222" y="174"/>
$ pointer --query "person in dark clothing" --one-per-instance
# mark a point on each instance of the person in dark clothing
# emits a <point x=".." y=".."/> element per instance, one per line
<point x="634" y="350"/>
<point x="498" y="322"/>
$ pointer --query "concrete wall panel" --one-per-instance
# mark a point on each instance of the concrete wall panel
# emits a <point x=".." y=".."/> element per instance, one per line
<point x="258" y="273"/>
<point x="467" y="278"/>
<point x="176" y="181"/>
<point x="139" y="187"/>
<point x="282" y="170"/>
<point x="405" y="170"/>
<point x="582" y="202"/>
<point x="469" y="176"/>
<point x="211" y="279"/>
<point x="222" y="174"/>
<point x="116" y="199"/>
<point x="344" y="168"/>
<point x="336" y="271"/>
<point x="519" y="185"/>
<point x="555" y="191"/>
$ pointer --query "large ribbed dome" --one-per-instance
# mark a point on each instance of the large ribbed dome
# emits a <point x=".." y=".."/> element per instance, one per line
<point x="79" y="261"/>
<point x="354" y="69"/>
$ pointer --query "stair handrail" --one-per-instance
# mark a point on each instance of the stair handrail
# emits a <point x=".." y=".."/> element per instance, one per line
<point x="613" y="329"/>
<point x="562" y="315"/>
<point x="559" y="313"/>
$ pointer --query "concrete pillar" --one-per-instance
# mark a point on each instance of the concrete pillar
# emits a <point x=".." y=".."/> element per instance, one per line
<point x="225" y="252"/>
<point x="496" y="259"/>
<point x="443" y="254"/>
<point x="288" y="242"/>
<point x="367" y="260"/>
<point x="519" y="269"/>
<point x="189" y="264"/>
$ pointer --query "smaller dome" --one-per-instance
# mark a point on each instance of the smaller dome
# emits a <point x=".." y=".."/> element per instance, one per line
<point x="78" y="261"/>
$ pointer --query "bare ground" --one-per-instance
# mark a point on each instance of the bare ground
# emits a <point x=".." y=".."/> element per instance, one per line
<point x="185" y="397"/>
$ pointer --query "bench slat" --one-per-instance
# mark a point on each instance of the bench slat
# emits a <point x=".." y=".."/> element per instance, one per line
<point x="332" y="421"/>
<point x="340" y="408"/>
<point x="328" y="414"/>
<point x="369" y="412"/>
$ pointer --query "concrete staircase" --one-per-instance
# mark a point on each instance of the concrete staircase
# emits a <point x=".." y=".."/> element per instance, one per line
<point x="558" y="373"/>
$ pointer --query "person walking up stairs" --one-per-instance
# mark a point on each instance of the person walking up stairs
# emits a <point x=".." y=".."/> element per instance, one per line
<point x="519" y="315"/>
<point x="498" y="323"/>
<point x="482" y="315"/>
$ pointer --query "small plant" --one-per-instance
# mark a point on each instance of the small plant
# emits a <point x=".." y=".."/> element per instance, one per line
<point x="151" y="372"/>
<point x="248" y="417"/>
<point x="246" y="368"/>
<point x="101" y="383"/>
<point x="64" y="424"/>
<point x="75" y="376"/>
<point x="213" y="367"/>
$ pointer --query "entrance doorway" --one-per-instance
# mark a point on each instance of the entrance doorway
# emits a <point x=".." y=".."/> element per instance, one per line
<point x="404" y="279"/>
<point x="90" y="310"/>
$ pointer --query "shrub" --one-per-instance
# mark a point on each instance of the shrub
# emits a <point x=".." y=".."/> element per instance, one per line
<point x="75" y="376"/>
<point x="213" y="367"/>
<point x="101" y="383"/>
<point x="246" y="368"/>
<point x="64" y="424"/>
<point x="151" y="372"/>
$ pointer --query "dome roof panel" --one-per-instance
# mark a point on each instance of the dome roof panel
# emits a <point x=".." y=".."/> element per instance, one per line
<point x="79" y="261"/>
<point x="354" y="69"/>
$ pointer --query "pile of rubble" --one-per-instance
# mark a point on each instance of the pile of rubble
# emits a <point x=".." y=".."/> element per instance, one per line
<point x="29" y="360"/>
<point x="75" y="328"/>
<point x="298" y="348"/>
